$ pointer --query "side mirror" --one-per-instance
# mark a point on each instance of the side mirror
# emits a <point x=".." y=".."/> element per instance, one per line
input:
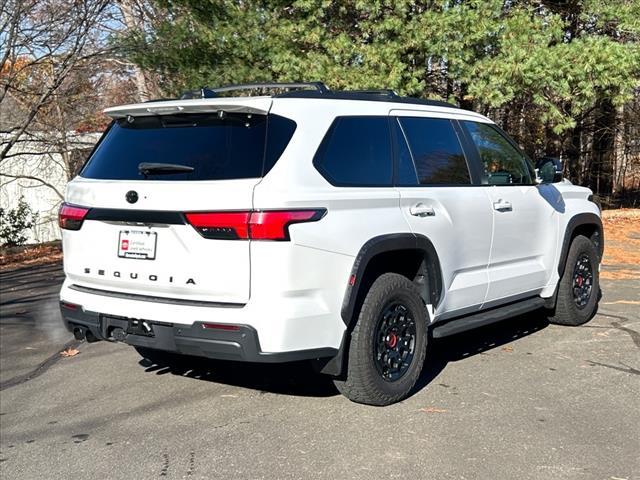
<point x="549" y="170"/>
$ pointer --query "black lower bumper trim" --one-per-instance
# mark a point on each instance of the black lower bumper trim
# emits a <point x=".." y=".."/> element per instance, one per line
<point x="241" y="344"/>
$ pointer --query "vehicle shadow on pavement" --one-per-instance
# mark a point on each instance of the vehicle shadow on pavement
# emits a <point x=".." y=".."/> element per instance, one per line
<point x="295" y="378"/>
<point x="443" y="351"/>
<point x="299" y="378"/>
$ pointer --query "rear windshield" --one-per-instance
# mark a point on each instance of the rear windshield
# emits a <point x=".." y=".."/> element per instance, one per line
<point x="238" y="145"/>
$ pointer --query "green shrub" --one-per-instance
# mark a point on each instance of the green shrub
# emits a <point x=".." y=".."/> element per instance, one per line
<point x="15" y="223"/>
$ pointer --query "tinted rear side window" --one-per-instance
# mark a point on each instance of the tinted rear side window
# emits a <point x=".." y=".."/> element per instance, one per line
<point x="436" y="151"/>
<point x="356" y="151"/>
<point x="218" y="149"/>
<point x="279" y="132"/>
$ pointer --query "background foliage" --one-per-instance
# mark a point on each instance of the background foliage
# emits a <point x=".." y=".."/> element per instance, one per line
<point x="561" y="76"/>
<point x="14" y="224"/>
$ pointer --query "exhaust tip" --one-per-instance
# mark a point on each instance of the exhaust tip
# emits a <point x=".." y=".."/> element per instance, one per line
<point x="79" y="333"/>
<point x="90" y="337"/>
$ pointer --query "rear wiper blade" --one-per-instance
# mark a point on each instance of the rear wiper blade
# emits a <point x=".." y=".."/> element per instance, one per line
<point x="162" y="168"/>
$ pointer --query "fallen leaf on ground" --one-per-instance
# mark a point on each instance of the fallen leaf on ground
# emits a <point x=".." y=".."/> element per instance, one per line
<point x="433" y="410"/>
<point x="70" y="352"/>
<point x="507" y="349"/>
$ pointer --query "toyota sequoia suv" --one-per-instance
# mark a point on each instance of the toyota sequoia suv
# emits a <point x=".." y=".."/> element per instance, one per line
<point x="344" y="227"/>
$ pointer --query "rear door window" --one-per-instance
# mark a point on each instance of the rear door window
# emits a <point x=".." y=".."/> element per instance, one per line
<point x="231" y="147"/>
<point x="356" y="152"/>
<point x="436" y="152"/>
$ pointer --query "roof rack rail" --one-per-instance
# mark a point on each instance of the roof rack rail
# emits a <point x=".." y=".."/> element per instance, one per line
<point x="365" y="95"/>
<point x="206" y="92"/>
<point x="316" y="90"/>
<point x="387" y="92"/>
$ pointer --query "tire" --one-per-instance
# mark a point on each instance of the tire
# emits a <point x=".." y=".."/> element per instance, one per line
<point x="392" y="306"/>
<point x="571" y="308"/>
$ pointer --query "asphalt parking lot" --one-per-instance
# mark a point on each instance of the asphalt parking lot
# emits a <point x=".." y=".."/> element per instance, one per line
<point x="521" y="399"/>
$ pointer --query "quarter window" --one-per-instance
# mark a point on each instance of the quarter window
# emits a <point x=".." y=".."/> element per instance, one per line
<point x="436" y="151"/>
<point x="356" y="151"/>
<point x="503" y="164"/>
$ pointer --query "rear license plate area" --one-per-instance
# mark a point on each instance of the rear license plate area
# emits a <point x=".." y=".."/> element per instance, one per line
<point x="140" y="244"/>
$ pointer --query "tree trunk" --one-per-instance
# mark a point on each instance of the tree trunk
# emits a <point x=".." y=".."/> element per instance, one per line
<point x="603" y="147"/>
<point x="619" y="154"/>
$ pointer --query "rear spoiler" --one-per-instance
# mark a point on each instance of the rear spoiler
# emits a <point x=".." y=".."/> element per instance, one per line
<point x="256" y="105"/>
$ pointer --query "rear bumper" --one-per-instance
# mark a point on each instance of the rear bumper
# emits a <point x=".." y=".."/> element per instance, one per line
<point x="240" y="343"/>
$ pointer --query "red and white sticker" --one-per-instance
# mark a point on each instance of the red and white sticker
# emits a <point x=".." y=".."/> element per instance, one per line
<point x="139" y="244"/>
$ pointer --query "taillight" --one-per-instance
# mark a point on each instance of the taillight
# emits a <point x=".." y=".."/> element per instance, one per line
<point x="221" y="225"/>
<point x="250" y="225"/>
<point x="70" y="217"/>
<point x="274" y="224"/>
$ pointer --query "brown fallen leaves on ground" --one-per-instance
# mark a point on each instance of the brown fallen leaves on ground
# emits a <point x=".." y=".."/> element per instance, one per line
<point x="621" y="244"/>
<point x="70" y="352"/>
<point x="16" y="257"/>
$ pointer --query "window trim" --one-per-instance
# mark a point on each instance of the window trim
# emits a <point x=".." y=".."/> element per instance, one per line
<point x="317" y="157"/>
<point x="483" y="180"/>
<point x="453" y="122"/>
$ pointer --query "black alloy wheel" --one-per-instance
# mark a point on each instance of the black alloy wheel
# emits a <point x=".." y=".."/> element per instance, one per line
<point x="394" y="341"/>
<point x="582" y="281"/>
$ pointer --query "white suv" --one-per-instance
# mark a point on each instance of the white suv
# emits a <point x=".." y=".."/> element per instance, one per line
<point x="344" y="227"/>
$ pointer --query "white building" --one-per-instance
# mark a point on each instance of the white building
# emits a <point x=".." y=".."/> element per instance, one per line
<point x="34" y="169"/>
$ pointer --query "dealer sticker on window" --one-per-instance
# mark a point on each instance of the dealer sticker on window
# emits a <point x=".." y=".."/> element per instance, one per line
<point x="137" y="244"/>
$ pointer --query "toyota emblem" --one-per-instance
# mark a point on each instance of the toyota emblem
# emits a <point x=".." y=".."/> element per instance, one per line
<point x="132" y="196"/>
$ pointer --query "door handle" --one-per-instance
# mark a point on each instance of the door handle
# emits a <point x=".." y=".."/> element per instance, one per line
<point x="422" y="210"/>
<point x="502" y="206"/>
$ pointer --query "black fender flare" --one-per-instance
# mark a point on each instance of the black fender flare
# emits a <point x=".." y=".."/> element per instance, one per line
<point x="575" y="222"/>
<point x="388" y="243"/>
<point x="377" y="245"/>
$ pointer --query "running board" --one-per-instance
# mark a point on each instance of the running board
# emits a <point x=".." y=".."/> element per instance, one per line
<point x="486" y="317"/>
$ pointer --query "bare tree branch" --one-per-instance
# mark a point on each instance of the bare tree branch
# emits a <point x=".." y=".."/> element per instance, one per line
<point x="65" y="37"/>
<point x="30" y="177"/>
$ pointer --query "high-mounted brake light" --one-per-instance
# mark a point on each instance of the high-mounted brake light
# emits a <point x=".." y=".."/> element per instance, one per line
<point x="70" y="217"/>
<point x="250" y="225"/>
